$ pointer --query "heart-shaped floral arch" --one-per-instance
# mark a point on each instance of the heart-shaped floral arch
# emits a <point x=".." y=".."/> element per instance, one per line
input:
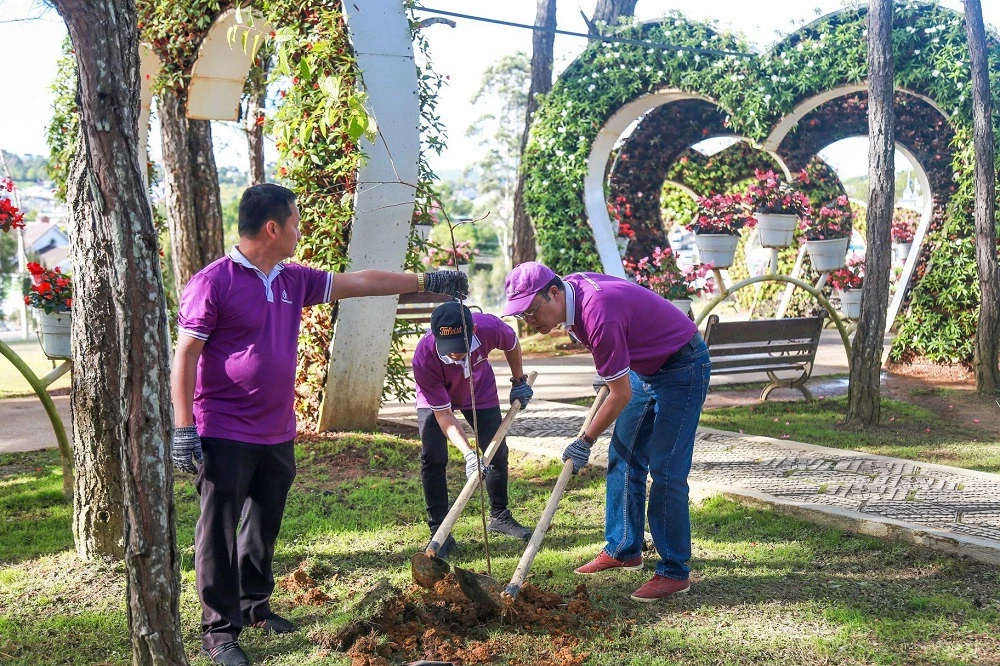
<point x="791" y="101"/>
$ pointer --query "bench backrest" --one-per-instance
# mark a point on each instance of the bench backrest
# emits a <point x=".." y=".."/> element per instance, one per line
<point x="416" y="308"/>
<point x="762" y="343"/>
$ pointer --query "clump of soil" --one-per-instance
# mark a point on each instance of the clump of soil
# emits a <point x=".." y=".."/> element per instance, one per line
<point x="309" y="592"/>
<point x="444" y="625"/>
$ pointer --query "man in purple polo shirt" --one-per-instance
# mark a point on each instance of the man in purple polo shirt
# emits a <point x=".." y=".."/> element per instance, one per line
<point x="233" y="385"/>
<point x="442" y="369"/>
<point x="657" y="368"/>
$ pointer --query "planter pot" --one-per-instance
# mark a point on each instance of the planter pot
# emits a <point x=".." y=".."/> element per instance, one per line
<point x="850" y="303"/>
<point x="684" y="305"/>
<point x="717" y="249"/>
<point x="776" y="230"/>
<point x="622" y="242"/>
<point x="828" y="255"/>
<point x="901" y="251"/>
<point x="423" y="230"/>
<point x="55" y="334"/>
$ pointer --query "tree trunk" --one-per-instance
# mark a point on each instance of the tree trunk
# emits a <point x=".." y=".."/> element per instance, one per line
<point x="523" y="243"/>
<point x="986" y="359"/>
<point x="609" y="11"/>
<point x="121" y="394"/>
<point x="256" y="90"/>
<point x="864" y="395"/>
<point x="194" y="210"/>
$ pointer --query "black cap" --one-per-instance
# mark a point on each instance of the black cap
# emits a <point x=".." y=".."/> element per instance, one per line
<point x="449" y="329"/>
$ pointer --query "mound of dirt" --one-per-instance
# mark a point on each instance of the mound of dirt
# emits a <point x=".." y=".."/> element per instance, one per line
<point x="444" y="625"/>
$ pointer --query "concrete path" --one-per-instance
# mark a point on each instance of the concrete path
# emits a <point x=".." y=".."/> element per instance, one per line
<point x="949" y="509"/>
<point x="24" y="425"/>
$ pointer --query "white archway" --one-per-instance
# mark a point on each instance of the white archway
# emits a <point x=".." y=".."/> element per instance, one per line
<point x="597" y="164"/>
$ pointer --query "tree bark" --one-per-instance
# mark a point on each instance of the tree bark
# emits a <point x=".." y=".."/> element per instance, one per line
<point x="121" y="394"/>
<point x="864" y="395"/>
<point x="256" y="91"/>
<point x="523" y="242"/>
<point x="609" y="11"/>
<point x="194" y="209"/>
<point x="986" y="358"/>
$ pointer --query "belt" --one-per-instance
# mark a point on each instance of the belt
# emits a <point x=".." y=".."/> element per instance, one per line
<point x="688" y="347"/>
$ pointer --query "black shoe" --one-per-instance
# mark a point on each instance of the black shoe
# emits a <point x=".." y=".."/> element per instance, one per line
<point x="449" y="546"/>
<point x="506" y="524"/>
<point x="227" y="654"/>
<point x="274" y="624"/>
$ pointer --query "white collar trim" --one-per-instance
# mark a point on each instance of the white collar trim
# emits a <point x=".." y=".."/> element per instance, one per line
<point x="466" y="368"/>
<point x="238" y="257"/>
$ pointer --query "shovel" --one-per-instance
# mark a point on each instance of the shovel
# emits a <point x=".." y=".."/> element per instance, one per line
<point x="485" y="590"/>
<point x="426" y="567"/>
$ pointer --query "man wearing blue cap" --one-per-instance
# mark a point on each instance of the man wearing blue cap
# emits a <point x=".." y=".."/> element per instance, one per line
<point x="657" y="369"/>
<point x="442" y="367"/>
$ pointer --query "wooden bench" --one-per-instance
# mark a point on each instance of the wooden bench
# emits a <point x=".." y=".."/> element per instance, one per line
<point x="416" y="308"/>
<point x="765" y="345"/>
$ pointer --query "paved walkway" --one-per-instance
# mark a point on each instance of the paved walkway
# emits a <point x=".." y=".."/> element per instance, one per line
<point x="945" y="508"/>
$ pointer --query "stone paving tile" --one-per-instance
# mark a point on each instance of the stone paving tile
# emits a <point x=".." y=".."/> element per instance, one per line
<point x="947" y="500"/>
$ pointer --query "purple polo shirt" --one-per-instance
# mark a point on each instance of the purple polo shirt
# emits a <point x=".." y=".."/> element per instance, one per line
<point x="625" y="326"/>
<point x="442" y="385"/>
<point x="250" y="324"/>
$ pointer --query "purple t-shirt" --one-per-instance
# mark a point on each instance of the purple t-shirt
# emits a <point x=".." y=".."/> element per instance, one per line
<point x="442" y="385"/>
<point x="250" y="324"/>
<point x="625" y="326"/>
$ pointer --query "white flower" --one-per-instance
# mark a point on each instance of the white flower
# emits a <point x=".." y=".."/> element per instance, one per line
<point x="621" y="66"/>
<point x="704" y="43"/>
<point x="767" y="98"/>
<point x="910" y="29"/>
<point x="774" y="77"/>
<point x="697" y="58"/>
<point x="798" y="47"/>
<point x="784" y="79"/>
<point x="559" y="152"/>
<point x="650" y="51"/>
<point x="960" y="84"/>
<point x="678" y="22"/>
<point x="564" y="113"/>
<point x="562" y="130"/>
<point x="810" y="63"/>
<point x="936" y="40"/>
<point x="916" y="51"/>
<point x="930" y="31"/>
<point x="650" y="69"/>
<point x="734" y="78"/>
<point x="936" y="73"/>
<point x="605" y="70"/>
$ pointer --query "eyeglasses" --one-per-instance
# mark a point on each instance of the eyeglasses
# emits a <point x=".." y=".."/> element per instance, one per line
<point x="529" y="313"/>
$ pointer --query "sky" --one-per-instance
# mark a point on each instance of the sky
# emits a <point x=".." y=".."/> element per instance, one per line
<point x="31" y="35"/>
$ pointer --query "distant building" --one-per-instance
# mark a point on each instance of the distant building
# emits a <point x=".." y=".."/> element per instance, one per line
<point x="49" y="243"/>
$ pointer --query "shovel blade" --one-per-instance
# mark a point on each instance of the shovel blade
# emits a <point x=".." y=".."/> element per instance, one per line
<point x="483" y="590"/>
<point x="428" y="570"/>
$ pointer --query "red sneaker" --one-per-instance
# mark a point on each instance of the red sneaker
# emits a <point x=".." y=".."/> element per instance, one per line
<point x="660" y="587"/>
<point x="603" y="562"/>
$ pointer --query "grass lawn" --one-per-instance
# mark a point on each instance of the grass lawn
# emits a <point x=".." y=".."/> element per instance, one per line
<point x="12" y="382"/>
<point x="905" y="431"/>
<point x="768" y="589"/>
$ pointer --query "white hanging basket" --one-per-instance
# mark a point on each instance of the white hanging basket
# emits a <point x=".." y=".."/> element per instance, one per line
<point x="829" y="254"/>
<point x="717" y="249"/>
<point x="776" y="229"/>
<point x="850" y="303"/>
<point x="56" y="334"/>
<point x="684" y="305"/>
<point x="423" y="230"/>
<point x="901" y="251"/>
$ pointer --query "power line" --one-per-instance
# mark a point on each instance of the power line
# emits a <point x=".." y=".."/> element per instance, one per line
<point x="601" y="38"/>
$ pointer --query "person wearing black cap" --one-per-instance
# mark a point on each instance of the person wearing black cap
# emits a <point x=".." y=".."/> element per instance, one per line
<point x="441" y="368"/>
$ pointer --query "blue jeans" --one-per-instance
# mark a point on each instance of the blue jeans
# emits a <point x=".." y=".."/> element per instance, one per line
<point x="654" y="436"/>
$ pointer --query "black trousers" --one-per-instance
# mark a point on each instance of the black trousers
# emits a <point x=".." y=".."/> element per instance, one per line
<point x="434" y="460"/>
<point x="242" y="486"/>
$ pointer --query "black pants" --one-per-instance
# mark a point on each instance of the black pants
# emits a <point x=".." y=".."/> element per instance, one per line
<point x="245" y="486"/>
<point x="434" y="460"/>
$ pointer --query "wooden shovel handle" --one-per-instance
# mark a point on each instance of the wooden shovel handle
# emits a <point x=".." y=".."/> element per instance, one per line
<point x="443" y="530"/>
<point x="550" y="507"/>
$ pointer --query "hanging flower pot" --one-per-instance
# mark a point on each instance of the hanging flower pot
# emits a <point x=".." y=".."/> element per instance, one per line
<point x="776" y="229"/>
<point x="850" y="303"/>
<point x="56" y="328"/>
<point x="717" y="249"/>
<point x="423" y="230"/>
<point x="684" y="305"/>
<point x="900" y="251"/>
<point x="829" y="254"/>
<point x="622" y="242"/>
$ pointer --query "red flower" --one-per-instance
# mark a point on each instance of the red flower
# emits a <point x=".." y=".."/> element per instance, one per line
<point x="35" y="268"/>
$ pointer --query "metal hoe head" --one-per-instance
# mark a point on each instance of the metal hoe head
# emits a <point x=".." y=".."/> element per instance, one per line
<point x="481" y="589"/>
<point x="428" y="570"/>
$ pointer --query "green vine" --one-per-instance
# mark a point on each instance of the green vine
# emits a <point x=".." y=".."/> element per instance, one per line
<point x="60" y="135"/>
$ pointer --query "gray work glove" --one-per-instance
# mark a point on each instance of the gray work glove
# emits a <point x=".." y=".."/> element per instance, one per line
<point x="598" y="384"/>
<point x="473" y="463"/>
<point x="579" y="452"/>
<point x="186" y="449"/>
<point x="449" y="283"/>
<point x="522" y="392"/>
